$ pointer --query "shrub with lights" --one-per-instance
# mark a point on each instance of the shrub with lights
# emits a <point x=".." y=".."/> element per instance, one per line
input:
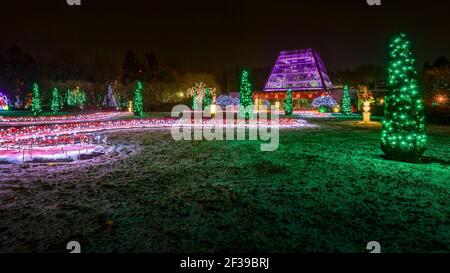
<point x="324" y="103"/>
<point x="207" y="99"/>
<point x="404" y="134"/>
<point x="224" y="101"/>
<point x="76" y="98"/>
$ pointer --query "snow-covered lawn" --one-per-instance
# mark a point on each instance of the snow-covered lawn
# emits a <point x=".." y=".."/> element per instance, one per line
<point x="325" y="189"/>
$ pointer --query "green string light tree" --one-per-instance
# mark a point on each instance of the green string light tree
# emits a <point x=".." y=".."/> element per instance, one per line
<point x="346" y="101"/>
<point x="138" y="100"/>
<point x="246" y="96"/>
<point x="404" y="134"/>
<point x="288" y="105"/>
<point x="36" y="104"/>
<point x="55" y="105"/>
<point x="207" y="99"/>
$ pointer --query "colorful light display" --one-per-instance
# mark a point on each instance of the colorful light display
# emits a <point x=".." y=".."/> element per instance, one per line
<point x="110" y="99"/>
<point x="298" y="70"/>
<point x="25" y="132"/>
<point x="54" y="153"/>
<point x="224" y="101"/>
<point x="246" y="95"/>
<point x="324" y="101"/>
<point x="346" y="101"/>
<point x="404" y="134"/>
<point x="196" y="105"/>
<point x="200" y="93"/>
<point x="76" y="98"/>
<point x="4" y="103"/>
<point x="36" y="104"/>
<point x="50" y="147"/>
<point x="138" y="100"/>
<point x="56" y="101"/>
<point x="207" y="99"/>
<point x="56" y="138"/>
<point x="288" y="107"/>
<point x="440" y="101"/>
<point x="21" y="121"/>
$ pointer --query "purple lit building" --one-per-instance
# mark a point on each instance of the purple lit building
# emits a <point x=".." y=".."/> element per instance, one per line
<point x="303" y="72"/>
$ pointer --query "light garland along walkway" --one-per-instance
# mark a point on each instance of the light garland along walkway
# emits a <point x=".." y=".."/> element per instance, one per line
<point x="49" y="130"/>
<point x="24" y="121"/>
<point x="65" y="139"/>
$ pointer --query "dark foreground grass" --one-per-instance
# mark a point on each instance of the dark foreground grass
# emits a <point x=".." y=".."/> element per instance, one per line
<point x="323" y="190"/>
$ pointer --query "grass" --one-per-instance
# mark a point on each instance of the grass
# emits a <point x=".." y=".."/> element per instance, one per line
<point x="324" y="190"/>
<point x="24" y="113"/>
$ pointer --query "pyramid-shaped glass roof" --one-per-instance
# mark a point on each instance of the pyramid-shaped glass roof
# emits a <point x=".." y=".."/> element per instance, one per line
<point x="298" y="70"/>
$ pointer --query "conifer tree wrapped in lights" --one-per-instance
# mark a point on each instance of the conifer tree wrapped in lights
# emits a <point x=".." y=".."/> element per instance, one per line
<point x="288" y="107"/>
<point x="138" y="102"/>
<point x="404" y="135"/>
<point x="346" y="102"/>
<point x="246" y="96"/>
<point x="110" y="99"/>
<point x="207" y="99"/>
<point x="36" y="104"/>
<point x="56" y="101"/>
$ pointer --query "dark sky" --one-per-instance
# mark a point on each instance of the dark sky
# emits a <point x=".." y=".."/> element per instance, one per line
<point x="215" y="34"/>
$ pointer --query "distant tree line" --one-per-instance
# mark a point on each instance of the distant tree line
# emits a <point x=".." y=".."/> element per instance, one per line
<point x="163" y="87"/>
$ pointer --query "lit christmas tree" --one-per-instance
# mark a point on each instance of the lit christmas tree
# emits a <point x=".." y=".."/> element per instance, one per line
<point x="246" y="96"/>
<point x="207" y="99"/>
<point x="404" y="134"/>
<point x="138" y="103"/>
<point x="195" y="105"/>
<point x="346" y="101"/>
<point x="4" y="103"/>
<point x="288" y="107"/>
<point x="56" y="101"/>
<point x="110" y="100"/>
<point x="36" y="105"/>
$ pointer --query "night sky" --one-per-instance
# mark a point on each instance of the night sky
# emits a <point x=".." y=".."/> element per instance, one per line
<point x="211" y="35"/>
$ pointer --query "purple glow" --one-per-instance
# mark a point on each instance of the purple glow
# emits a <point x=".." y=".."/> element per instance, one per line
<point x="298" y="70"/>
<point x="4" y="103"/>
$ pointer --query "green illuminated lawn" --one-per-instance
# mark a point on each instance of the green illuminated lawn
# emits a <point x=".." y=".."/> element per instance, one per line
<point x="324" y="190"/>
